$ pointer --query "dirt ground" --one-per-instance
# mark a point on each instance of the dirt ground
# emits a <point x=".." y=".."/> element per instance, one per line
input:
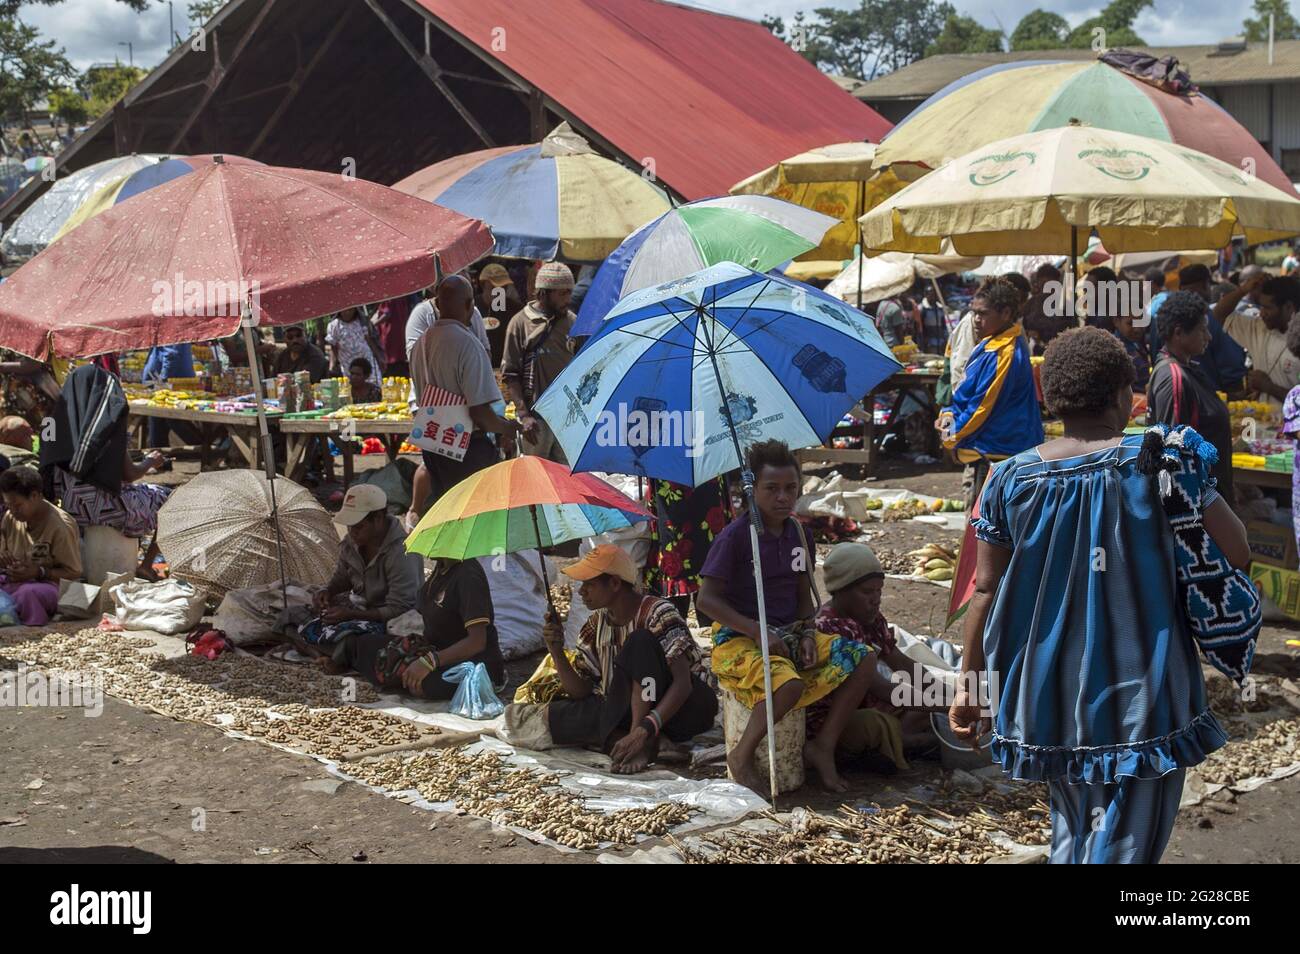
<point x="127" y="786"/>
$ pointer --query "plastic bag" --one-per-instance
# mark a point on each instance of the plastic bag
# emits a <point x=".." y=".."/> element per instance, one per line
<point x="9" y="611"/>
<point x="474" y="698"/>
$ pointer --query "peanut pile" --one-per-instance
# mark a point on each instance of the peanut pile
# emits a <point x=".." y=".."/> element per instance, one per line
<point x="879" y="835"/>
<point x="231" y="691"/>
<point x="483" y="784"/>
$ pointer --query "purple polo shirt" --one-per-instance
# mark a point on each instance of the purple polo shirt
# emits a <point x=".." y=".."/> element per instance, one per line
<point x="731" y="560"/>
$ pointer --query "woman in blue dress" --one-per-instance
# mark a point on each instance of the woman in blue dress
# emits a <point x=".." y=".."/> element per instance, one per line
<point x="1094" y="679"/>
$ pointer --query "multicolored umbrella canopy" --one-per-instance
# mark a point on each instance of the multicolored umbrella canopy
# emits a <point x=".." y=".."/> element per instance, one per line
<point x="493" y="511"/>
<point x="838" y="180"/>
<point x="675" y="367"/>
<point x="181" y="261"/>
<point x="36" y="228"/>
<point x="756" y="231"/>
<point x="549" y="200"/>
<point x="1044" y="192"/>
<point x="120" y="190"/>
<point x="1011" y="99"/>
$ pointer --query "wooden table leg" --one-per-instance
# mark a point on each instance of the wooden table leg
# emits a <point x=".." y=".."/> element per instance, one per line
<point x="295" y="449"/>
<point x="348" y="448"/>
<point x="245" y="451"/>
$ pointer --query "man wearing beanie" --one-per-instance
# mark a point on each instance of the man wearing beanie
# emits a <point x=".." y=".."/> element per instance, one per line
<point x="537" y="349"/>
<point x="856" y="582"/>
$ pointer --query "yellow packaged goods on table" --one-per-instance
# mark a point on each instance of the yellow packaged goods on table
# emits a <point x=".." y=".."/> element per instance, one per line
<point x="379" y="411"/>
<point x="1251" y="461"/>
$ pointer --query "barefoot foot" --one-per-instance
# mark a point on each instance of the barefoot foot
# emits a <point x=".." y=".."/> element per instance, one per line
<point x="816" y="757"/>
<point x="744" y="773"/>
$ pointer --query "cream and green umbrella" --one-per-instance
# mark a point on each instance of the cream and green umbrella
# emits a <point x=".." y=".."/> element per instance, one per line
<point x="1045" y="192"/>
<point x="837" y="180"/>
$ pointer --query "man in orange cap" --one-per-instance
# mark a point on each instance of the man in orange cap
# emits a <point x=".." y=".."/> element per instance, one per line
<point x="637" y="673"/>
<point x="537" y="349"/>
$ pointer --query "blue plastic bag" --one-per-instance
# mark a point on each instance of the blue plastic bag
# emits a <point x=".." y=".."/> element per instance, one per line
<point x="8" y="610"/>
<point x="474" y="698"/>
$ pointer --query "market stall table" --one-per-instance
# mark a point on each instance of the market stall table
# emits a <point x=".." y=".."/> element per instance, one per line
<point x="920" y="385"/>
<point x="242" y="428"/>
<point x="1262" y="478"/>
<point x="299" y="433"/>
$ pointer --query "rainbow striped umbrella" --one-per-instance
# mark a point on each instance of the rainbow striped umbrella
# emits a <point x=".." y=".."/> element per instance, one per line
<point x="519" y="504"/>
<point x="1011" y="99"/>
<point x="548" y="200"/>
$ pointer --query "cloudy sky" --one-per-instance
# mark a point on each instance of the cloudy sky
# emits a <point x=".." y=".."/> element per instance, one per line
<point x="91" y="30"/>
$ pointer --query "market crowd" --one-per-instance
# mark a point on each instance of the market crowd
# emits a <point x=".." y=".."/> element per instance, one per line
<point x="1080" y="706"/>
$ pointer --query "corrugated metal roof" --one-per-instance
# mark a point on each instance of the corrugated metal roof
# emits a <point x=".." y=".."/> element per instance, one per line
<point x="1206" y="66"/>
<point x="711" y="99"/>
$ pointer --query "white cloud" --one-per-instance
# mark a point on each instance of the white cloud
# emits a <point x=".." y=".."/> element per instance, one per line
<point x="90" y="30"/>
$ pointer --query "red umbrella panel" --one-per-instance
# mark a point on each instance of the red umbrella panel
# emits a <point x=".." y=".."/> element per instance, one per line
<point x="181" y="261"/>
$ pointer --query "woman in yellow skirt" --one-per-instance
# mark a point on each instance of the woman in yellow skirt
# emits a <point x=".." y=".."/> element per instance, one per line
<point x="806" y="665"/>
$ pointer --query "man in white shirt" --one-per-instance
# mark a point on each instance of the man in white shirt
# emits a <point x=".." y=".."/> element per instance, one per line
<point x="1276" y="370"/>
<point x="450" y="356"/>
<point x="425" y="314"/>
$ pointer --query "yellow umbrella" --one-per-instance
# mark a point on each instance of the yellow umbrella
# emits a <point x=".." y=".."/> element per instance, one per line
<point x="836" y="180"/>
<point x="1034" y="193"/>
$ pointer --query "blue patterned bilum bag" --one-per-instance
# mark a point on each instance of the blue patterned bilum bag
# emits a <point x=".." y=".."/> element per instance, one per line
<point x="1220" y="604"/>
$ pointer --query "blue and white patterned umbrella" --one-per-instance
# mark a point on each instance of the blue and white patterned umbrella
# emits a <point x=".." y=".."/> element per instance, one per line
<point x="681" y="377"/>
<point x="646" y="394"/>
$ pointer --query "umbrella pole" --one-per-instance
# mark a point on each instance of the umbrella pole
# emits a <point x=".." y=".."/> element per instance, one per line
<point x="541" y="558"/>
<point x="862" y="248"/>
<point x="1073" y="266"/>
<point x="268" y="449"/>
<point x="747" y="482"/>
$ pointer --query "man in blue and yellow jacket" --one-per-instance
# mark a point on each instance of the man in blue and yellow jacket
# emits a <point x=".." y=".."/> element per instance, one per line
<point x="994" y="413"/>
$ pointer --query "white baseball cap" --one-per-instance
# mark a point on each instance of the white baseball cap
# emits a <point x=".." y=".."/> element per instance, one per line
<point x="361" y="501"/>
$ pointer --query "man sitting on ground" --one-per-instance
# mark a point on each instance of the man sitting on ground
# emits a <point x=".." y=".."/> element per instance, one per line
<point x="637" y="674"/>
<point x="456" y="608"/>
<point x="39" y="546"/>
<point x="376" y="579"/>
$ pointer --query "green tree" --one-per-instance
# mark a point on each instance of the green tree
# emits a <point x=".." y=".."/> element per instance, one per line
<point x="30" y="68"/>
<point x="965" y="35"/>
<point x="1116" y="23"/>
<point x="1285" y="26"/>
<point x="201" y="11"/>
<point x="69" y="105"/>
<point x="1040" y="30"/>
<point x="876" y="37"/>
<point x="105" y="85"/>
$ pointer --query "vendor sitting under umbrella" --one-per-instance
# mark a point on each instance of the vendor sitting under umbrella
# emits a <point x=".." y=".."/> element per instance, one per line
<point x="39" y="546"/>
<point x="456" y="607"/>
<point x="88" y="469"/>
<point x="890" y="720"/>
<point x="637" y="673"/>
<point x="806" y="665"/>
<point x="375" y="581"/>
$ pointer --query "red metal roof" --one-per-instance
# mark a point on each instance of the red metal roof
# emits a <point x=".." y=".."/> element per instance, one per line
<point x="710" y="99"/>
